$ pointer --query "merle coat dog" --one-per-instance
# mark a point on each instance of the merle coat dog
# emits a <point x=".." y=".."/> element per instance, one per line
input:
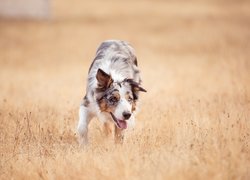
<point x="112" y="90"/>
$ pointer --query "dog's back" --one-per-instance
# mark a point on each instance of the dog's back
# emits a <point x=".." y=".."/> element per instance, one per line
<point x="116" y="58"/>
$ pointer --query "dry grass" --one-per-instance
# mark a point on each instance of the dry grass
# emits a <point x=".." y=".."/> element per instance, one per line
<point x="193" y="123"/>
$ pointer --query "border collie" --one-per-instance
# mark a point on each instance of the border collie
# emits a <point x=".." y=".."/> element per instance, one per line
<point x="113" y="87"/>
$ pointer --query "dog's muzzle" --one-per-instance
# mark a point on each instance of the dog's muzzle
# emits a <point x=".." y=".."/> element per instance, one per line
<point x="121" y="124"/>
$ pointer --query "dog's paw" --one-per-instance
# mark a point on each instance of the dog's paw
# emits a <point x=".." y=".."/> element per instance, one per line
<point x="83" y="141"/>
<point x="83" y="136"/>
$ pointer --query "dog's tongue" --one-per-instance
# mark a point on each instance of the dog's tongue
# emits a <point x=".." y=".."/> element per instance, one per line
<point x="122" y="124"/>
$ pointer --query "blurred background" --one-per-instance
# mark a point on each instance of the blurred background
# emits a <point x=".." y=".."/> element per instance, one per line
<point x="25" y="8"/>
<point x="194" y="60"/>
<point x="49" y="37"/>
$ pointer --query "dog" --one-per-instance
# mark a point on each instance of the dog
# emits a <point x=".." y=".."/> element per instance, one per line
<point x="112" y="92"/>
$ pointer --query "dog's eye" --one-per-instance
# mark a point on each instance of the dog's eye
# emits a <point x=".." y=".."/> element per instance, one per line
<point x="130" y="99"/>
<point x="113" y="99"/>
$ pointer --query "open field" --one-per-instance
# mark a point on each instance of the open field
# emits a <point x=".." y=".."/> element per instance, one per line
<point x="194" y="122"/>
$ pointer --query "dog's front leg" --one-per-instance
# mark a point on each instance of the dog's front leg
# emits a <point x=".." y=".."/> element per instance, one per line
<point x="84" y="118"/>
<point x="119" y="135"/>
<point x="107" y="129"/>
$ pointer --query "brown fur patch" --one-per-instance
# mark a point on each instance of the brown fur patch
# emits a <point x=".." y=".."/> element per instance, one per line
<point x="105" y="105"/>
<point x="133" y="106"/>
<point x="128" y="96"/>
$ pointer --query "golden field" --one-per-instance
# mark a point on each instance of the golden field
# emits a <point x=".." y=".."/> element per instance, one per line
<point x="193" y="123"/>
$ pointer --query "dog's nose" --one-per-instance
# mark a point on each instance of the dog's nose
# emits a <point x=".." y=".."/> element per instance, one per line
<point x="126" y="115"/>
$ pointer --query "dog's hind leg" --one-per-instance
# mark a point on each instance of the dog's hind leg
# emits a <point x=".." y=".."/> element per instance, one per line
<point x="84" y="118"/>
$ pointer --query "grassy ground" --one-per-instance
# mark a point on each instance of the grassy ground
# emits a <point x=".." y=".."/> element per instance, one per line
<point x="193" y="122"/>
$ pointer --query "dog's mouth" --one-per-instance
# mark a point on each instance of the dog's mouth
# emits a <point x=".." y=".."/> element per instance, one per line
<point x="122" y="124"/>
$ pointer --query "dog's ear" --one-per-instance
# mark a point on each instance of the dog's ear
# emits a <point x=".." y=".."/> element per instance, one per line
<point x="104" y="80"/>
<point x="135" y="87"/>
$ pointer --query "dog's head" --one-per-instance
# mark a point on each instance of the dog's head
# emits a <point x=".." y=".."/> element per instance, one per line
<point x="117" y="98"/>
